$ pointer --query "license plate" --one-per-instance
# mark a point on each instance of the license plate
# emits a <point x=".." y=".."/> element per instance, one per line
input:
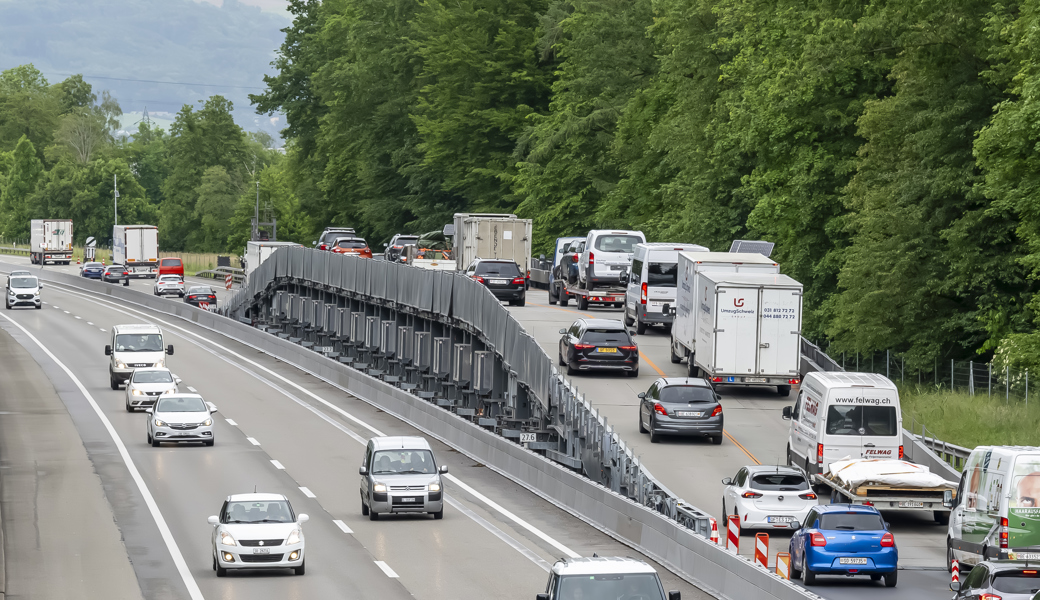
<point x="407" y="499"/>
<point x="616" y="267"/>
<point x="688" y="413"/>
<point x="845" y="560"/>
<point x="607" y="350"/>
<point x="779" y="519"/>
<point x="498" y="281"/>
<point x="755" y="379"/>
<point x="1024" y="555"/>
<point x="911" y="504"/>
<point x="261" y="550"/>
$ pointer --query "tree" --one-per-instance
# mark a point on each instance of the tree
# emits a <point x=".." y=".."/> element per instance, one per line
<point x="28" y="107"/>
<point x="15" y="204"/>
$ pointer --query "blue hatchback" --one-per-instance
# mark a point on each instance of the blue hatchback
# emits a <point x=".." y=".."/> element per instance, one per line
<point x="844" y="539"/>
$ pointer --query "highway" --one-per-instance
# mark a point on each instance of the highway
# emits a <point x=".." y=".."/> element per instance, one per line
<point x="278" y="430"/>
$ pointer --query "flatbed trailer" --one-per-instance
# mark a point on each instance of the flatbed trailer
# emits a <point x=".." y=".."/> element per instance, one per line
<point x="605" y="296"/>
<point x="886" y="497"/>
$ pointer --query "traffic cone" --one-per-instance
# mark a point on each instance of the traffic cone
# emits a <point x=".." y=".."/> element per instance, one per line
<point x="714" y="531"/>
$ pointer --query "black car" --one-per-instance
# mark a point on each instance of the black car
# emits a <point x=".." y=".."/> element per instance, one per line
<point x="115" y="274"/>
<point x="598" y="344"/>
<point x="502" y="277"/>
<point x="1004" y="579"/>
<point x="324" y="242"/>
<point x="397" y="244"/>
<point x="201" y="294"/>
<point x="680" y="406"/>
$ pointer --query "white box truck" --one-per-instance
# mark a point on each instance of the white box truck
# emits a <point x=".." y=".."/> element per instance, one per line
<point x="136" y="247"/>
<point x="257" y="252"/>
<point x="492" y="236"/>
<point x="50" y="240"/>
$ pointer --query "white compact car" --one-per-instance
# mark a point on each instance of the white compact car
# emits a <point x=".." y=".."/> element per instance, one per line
<point x="168" y="284"/>
<point x="258" y="531"/>
<point x="768" y="497"/>
<point x="180" y="418"/>
<point x="145" y="385"/>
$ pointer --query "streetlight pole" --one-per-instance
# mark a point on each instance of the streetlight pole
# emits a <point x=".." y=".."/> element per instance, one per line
<point x="115" y="199"/>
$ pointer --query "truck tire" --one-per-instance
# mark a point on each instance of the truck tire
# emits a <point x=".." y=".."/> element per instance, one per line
<point x="640" y="327"/>
<point x="942" y="517"/>
<point x="553" y="298"/>
<point x="629" y="321"/>
<point x="583" y="303"/>
<point x="564" y="299"/>
<point x="672" y="356"/>
<point x="692" y="369"/>
<point x="783" y="390"/>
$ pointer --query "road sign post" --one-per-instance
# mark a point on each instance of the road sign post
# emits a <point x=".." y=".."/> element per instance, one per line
<point x="204" y="305"/>
<point x="228" y="279"/>
<point x="783" y="565"/>
<point x="762" y="549"/>
<point x="733" y="534"/>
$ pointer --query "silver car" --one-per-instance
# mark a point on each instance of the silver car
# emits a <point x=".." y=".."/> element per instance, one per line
<point x="168" y="284"/>
<point x="180" y="418"/>
<point x="146" y="385"/>
<point x="399" y="475"/>
<point x="258" y="531"/>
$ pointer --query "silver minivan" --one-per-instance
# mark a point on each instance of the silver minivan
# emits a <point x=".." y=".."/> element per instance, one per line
<point x="652" y="281"/>
<point x="400" y="475"/>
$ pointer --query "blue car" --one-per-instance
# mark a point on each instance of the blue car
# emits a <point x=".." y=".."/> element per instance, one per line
<point x="93" y="270"/>
<point x="844" y="539"/>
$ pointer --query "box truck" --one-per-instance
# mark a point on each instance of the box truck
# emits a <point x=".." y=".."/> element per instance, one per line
<point x="136" y="247"/>
<point x="499" y="236"/>
<point x="50" y="240"/>
<point x="258" y="251"/>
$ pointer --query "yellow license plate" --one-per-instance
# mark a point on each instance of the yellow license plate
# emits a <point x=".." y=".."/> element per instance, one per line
<point x="607" y="350"/>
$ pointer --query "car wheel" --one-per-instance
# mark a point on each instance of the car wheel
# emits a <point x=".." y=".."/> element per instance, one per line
<point x="628" y="320"/>
<point x="942" y="517"/>
<point x="796" y="573"/>
<point x="126" y="283"/>
<point x="439" y="514"/>
<point x="563" y="363"/>
<point x="364" y="509"/>
<point x="214" y="562"/>
<point x="634" y="373"/>
<point x="641" y="428"/>
<point x="39" y="306"/>
<point x="373" y="515"/>
<point x="583" y="303"/>
<point x="654" y="436"/>
<point x="128" y="407"/>
<point x="672" y="356"/>
<point x="783" y="390"/>
<point x="112" y="381"/>
<point x="221" y="571"/>
<point x="808" y="577"/>
<point x="716" y="440"/>
<point x="790" y="459"/>
<point x="564" y="299"/>
<point x="148" y="435"/>
<point x="522" y="301"/>
<point x="155" y="443"/>
<point x="571" y="371"/>
<point x="949" y="556"/>
<point x="724" y="524"/>
<point x="210" y="442"/>
<point x="640" y="328"/>
<point x="7" y="305"/>
<point x="891" y="579"/>
<point x="300" y="570"/>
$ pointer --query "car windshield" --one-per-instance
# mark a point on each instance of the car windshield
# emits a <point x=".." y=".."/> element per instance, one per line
<point x="861" y="420"/>
<point x="182" y="405"/>
<point x="268" y="511"/>
<point x="329" y="236"/>
<point x="152" y="377"/>
<point x="779" y="482"/>
<point x="617" y="243"/>
<point x="170" y="279"/>
<point x="853" y="521"/>
<point x="113" y="268"/>
<point x="92" y="266"/>
<point x="406" y="241"/>
<point x="1012" y="582"/>
<point x="23" y="282"/>
<point x="138" y="342"/>
<point x="686" y="393"/>
<point x="644" y="586"/>
<point x="201" y="290"/>
<point x="386" y="462"/>
<point x="606" y="337"/>
<point x="662" y="274"/>
<point x="355" y="244"/>
<point x="170" y="262"/>
<point x="505" y="269"/>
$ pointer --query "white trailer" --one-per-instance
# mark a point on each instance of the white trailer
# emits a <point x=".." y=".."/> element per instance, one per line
<point x="136" y="247"/>
<point x="257" y="252"/>
<point x="50" y="240"/>
<point x="492" y="236"/>
<point x="744" y="329"/>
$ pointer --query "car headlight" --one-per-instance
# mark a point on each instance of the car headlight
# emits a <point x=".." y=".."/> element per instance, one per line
<point x="379" y="488"/>
<point x="207" y="422"/>
<point x="435" y="487"/>
<point x="137" y="392"/>
<point x="226" y="539"/>
<point x="120" y="365"/>
<point x="161" y="363"/>
<point x="159" y="423"/>
<point x="294" y="537"/>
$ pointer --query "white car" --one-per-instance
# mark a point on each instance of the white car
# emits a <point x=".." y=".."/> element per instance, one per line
<point x="168" y="284"/>
<point x="607" y="255"/>
<point x="146" y="385"/>
<point x="768" y="497"/>
<point x="258" y="531"/>
<point x="23" y="290"/>
<point x="180" y="418"/>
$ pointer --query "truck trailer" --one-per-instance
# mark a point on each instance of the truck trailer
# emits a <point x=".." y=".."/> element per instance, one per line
<point x="258" y="251"/>
<point x="136" y="247"/>
<point x="500" y="236"/>
<point x="50" y="240"/>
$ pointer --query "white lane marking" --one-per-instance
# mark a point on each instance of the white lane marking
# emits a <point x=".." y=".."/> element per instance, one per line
<point x="102" y="329"/>
<point x="79" y="317"/>
<point x="149" y="500"/>
<point x="253" y="441"/>
<point x="89" y="323"/>
<point x="278" y="465"/>
<point x="386" y="569"/>
<point x="307" y="492"/>
<point x="342" y="526"/>
<point x="45" y="302"/>
<point x="495" y="531"/>
<point x="56" y="306"/>
<point x="192" y="390"/>
<point x="66" y="312"/>
<point x="231" y="422"/>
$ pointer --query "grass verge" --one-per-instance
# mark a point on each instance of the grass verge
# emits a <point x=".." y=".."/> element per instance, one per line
<point x="970" y="421"/>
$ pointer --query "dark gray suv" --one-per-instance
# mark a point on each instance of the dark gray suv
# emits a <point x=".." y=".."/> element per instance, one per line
<point x="680" y="406"/>
<point x="1004" y="579"/>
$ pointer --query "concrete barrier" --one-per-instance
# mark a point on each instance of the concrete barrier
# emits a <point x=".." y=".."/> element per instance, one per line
<point x="715" y="570"/>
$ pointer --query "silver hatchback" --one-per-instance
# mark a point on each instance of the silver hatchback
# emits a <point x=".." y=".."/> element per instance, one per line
<point x="400" y="475"/>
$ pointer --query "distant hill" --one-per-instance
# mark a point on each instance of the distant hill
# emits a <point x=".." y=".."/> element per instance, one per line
<point x="126" y="45"/>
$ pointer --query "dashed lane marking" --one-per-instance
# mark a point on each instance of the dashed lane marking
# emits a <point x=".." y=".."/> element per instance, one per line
<point x="343" y="526"/>
<point x="253" y="441"/>
<point x="231" y="422"/>
<point x="386" y="569"/>
<point x="278" y="465"/>
<point x="307" y="492"/>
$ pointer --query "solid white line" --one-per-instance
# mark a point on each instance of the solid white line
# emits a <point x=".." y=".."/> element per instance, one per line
<point x="253" y="441"/>
<point x="231" y="422"/>
<point x="386" y="569"/>
<point x="495" y="531"/>
<point x="149" y="500"/>
<point x="307" y="492"/>
<point x="192" y="390"/>
<point x="342" y="526"/>
<point x="277" y="465"/>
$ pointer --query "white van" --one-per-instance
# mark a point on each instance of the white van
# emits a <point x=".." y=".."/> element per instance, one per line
<point x="607" y="255"/>
<point x="652" y="280"/>
<point x="996" y="511"/>
<point x="843" y="415"/>
<point x="134" y="347"/>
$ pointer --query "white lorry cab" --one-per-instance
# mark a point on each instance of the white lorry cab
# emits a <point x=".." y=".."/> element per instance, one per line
<point x="996" y="510"/>
<point x="651" y="281"/>
<point x="843" y="415"/>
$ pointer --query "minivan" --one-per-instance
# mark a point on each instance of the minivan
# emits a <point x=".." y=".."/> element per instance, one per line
<point x="133" y="347"/>
<point x="171" y="266"/>
<point x="839" y="415"/>
<point x="607" y="255"/>
<point x="399" y="474"/>
<point x="995" y="513"/>
<point x="651" y="281"/>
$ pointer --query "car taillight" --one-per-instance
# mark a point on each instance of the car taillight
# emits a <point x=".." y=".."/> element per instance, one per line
<point x="629" y="348"/>
<point x="125" y="273"/>
<point x="191" y="297"/>
<point x="592" y="259"/>
<point x="518" y="281"/>
<point x="716" y="379"/>
<point x="642" y="294"/>
<point x="397" y="247"/>
<point x="1030" y="572"/>
<point x="818" y="540"/>
<point x="584" y="346"/>
<point x="794" y="381"/>
<point x="989" y="597"/>
<point x="819" y="454"/>
<point x="868" y="503"/>
<point x="887" y="540"/>
<point x="807" y="496"/>
<point x="322" y="247"/>
<point x="660" y="409"/>
<point x="1003" y="532"/>
<point x="900" y="452"/>
<point x="751" y="495"/>
<point x="478" y="279"/>
<point x="717" y="411"/>
<point x="574" y="257"/>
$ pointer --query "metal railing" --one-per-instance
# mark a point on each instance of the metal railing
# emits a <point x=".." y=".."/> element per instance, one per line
<point x="237" y="275"/>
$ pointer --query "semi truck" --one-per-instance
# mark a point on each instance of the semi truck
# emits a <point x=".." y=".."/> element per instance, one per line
<point x="258" y="251"/>
<point x="136" y="247"/>
<point x="50" y="240"/>
<point x="737" y="320"/>
<point x="500" y="236"/>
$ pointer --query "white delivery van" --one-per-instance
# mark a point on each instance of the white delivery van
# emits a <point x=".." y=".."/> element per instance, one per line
<point x="134" y="347"/>
<point x="607" y="255"/>
<point x="652" y="280"/>
<point x="843" y="415"/>
<point x="996" y="510"/>
<point x="257" y="253"/>
<point x="136" y="247"/>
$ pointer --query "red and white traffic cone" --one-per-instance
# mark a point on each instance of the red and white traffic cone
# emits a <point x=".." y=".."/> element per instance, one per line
<point x="714" y="531"/>
<point x="955" y="571"/>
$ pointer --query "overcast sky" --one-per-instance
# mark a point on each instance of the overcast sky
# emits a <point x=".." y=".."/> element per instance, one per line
<point x="271" y="5"/>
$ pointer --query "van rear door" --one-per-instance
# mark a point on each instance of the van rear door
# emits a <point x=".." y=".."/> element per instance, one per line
<point x="736" y="330"/>
<point x="779" y="339"/>
<point x="1024" y="505"/>
<point x="861" y="422"/>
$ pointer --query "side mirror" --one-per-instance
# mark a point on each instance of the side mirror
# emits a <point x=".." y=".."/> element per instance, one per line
<point x="363" y="471"/>
<point x="631" y="332"/>
<point x="303" y="518"/>
<point x="955" y="586"/>
<point x="40" y="285"/>
<point x="444" y="469"/>
<point x="674" y="595"/>
<point x="562" y="332"/>
<point x="641" y="395"/>
<point x="149" y="410"/>
<point x="623" y="278"/>
<point x="177" y="380"/>
<point x="384" y="244"/>
<point x="169" y="349"/>
<point x="213" y="520"/>
<point x="948" y="498"/>
<point x="787" y="413"/>
<point x="314" y="243"/>
<point x="541" y="597"/>
<point x="108" y="350"/>
<point x="727" y="481"/>
<point x="212" y="407"/>
<point x="541" y="257"/>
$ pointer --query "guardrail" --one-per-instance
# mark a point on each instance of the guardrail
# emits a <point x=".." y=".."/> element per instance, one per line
<point x="16" y="251"/>
<point x="237" y="275"/>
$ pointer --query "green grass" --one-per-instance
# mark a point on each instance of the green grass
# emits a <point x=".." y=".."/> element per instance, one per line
<point x="971" y="421"/>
